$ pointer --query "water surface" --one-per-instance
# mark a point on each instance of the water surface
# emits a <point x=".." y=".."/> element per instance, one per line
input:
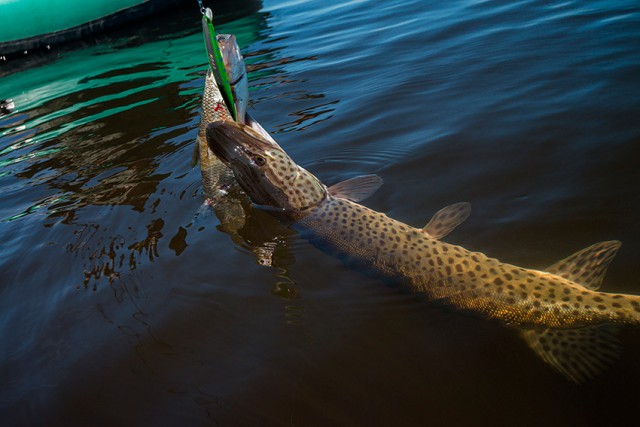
<point x="124" y="301"/>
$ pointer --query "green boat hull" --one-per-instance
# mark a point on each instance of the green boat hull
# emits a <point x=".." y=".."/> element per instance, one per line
<point x="36" y="24"/>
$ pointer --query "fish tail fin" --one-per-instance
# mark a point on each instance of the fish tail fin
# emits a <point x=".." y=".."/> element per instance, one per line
<point x="579" y="354"/>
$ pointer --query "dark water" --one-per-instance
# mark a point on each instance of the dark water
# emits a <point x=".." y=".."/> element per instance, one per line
<point x="123" y="301"/>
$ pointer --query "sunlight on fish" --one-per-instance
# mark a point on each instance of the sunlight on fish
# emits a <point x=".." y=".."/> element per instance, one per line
<point x="560" y="312"/>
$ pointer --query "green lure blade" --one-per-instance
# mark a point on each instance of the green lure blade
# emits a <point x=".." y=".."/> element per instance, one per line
<point x="216" y="62"/>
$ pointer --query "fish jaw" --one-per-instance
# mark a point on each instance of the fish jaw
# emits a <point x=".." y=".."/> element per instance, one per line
<point x="233" y="142"/>
<point x="264" y="171"/>
<point x="244" y="151"/>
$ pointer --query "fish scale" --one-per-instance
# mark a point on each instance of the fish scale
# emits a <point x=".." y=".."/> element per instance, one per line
<point x="559" y="312"/>
<point x="214" y="171"/>
<point x="468" y="280"/>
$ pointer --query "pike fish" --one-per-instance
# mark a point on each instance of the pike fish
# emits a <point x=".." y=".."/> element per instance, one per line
<point x="560" y="312"/>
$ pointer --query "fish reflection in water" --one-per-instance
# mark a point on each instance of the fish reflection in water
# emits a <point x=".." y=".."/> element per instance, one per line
<point x="250" y="228"/>
<point x="112" y="258"/>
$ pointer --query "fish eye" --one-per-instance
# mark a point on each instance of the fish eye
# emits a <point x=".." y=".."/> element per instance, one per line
<point x="258" y="160"/>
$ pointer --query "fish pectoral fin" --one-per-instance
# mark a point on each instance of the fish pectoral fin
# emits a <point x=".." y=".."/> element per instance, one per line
<point x="195" y="156"/>
<point x="356" y="189"/>
<point x="588" y="266"/>
<point x="579" y="354"/>
<point x="447" y="219"/>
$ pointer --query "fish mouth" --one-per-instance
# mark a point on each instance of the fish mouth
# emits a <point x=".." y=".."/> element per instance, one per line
<point x="235" y="144"/>
<point x="232" y="142"/>
<point x="219" y="140"/>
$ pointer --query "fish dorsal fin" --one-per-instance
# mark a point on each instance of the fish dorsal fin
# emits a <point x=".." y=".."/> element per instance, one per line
<point x="587" y="267"/>
<point x="446" y="219"/>
<point x="356" y="189"/>
<point x="578" y="354"/>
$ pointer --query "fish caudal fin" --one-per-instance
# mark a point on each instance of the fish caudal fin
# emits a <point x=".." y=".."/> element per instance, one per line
<point x="588" y="266"/>
<point x="578" y="354"/>
<point x="447" y="219"/>
<point x="357" y="188"/>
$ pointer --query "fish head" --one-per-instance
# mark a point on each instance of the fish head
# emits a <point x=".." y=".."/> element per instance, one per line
<point x="265" y="172"/>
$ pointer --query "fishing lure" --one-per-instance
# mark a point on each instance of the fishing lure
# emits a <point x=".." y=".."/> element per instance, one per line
<point x="216" y="62"/>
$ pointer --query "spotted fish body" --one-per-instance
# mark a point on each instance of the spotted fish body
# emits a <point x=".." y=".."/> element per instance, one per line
<point x="467" y="280"/>
<point x="561" y="314"/>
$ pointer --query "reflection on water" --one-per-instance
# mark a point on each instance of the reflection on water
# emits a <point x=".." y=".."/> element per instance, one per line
<point x="124" y="299"/>
<point x="81" y="137"/>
